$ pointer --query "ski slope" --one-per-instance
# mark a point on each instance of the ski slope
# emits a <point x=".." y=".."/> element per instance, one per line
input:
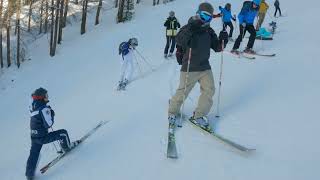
<point x="269" y="104"/>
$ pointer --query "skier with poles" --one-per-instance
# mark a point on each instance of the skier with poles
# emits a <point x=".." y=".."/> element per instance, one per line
<point x="126" y="52"/>
<point x="246" y="19"/>
<point x="171" y="24"/>
<point x="226" y="18"/>
<point x="194" y="42"/>
<point x="42" y="118"/>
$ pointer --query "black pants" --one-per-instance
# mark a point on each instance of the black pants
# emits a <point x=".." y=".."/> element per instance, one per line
<point x="36" y="145"/>
<point x="170" y="40"/>
<point x="277" y="9"/>
<point x="251" y="30"/>
<point x="225" y="24"/>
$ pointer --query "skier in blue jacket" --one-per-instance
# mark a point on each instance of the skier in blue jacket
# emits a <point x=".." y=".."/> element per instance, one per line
<point x="226" y="18"/>
<point x="42" y="118"/>
<point x="246" y="19"/>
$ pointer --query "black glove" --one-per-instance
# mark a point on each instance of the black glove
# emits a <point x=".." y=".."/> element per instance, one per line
<point x="220" y="7"/>
<point x="223" y="37"/>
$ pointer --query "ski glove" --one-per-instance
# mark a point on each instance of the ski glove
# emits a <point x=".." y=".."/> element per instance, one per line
<point x="223" y="37"/>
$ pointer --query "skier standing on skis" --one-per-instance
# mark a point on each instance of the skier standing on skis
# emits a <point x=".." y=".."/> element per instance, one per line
<point x="171" y="24"/>
<point x="262" y="13"/>
<point x="226" y="18"/>
<point x="42" y="118"/>
<point x="126" y="51"/>
<point x="194" y="42"/>
<point x="277" y="6"/>
<point x="246" y="19"/>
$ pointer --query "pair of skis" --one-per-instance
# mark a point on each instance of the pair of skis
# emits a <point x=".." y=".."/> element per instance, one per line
<point x="251" y="56"/>
<point x="83" y="138"/>
<point x="172" y="149"/>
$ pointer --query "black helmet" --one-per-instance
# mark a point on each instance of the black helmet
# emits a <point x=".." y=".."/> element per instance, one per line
<point x="133" y="42"/>
<point x="228" y="6"/>
<point x="39" y="94"/>
<point x="207" y="7"/>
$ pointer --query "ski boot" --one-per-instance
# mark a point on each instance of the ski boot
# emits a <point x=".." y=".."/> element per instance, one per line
<point x="170" y="55"/>
<point x="165" y="55"/>
<point x="30" y="177"/>
<point x="202" y="122"/>
<point x="120" y="85"/>
<point x="235" y="51"/>
<point x="249" y="51"/>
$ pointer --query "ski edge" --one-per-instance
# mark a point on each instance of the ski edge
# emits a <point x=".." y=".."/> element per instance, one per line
<point x="225" y="140"/>
<point x="55" y="160"/>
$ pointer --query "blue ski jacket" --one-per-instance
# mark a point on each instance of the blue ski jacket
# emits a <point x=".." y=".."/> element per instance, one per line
<point x="227" y="16"/>
<point x="247" y="13"/>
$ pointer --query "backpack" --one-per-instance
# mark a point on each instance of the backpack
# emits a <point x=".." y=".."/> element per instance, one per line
<point x="124" y="48"/>
<point x="183" y="37"/>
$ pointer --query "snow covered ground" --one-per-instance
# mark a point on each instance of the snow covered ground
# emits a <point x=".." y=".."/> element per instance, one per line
<point x="269" y="104"/>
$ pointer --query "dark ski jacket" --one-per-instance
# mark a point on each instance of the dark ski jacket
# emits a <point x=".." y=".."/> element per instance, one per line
<point x="42" y="118"/>
<point x="171" y="25"/>
<point x="200" y="38"/>
<point x="276" y="3"/>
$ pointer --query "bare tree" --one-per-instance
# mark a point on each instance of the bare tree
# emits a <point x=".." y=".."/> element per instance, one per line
<point x="120" y="11"/>
<point x="46" y="17"/>
<point x="30" y="13"/>
<point x="98" y="12"/>
<point x="61" y="21"/>
<point x="7" y="16"/>
<point x="41" y="16"/>
<point x="65" y="13"/>
<point x="1" y="26"/>
<point x="56" y="27"/>
<point x="84" y="16"/>
<point x="18" y="31"/>
<point x="116" y="2"/>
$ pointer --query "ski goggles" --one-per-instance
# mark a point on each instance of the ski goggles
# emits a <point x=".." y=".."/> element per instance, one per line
<point x="205" y="16"/>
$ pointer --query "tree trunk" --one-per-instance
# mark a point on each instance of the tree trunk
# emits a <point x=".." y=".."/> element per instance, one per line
<point x="56" y="27"/>
<point x="116" y="3"/>
<point x="61" y="21"/>
<point x="52" y="28"/>
<point x="65" y="13"/>
<point x="98" y="12"/>
<point x="120" y="11"/>
<point x="46" y="20"/>
<point x="41" y="16"/>
<point x="1" y="26"/>
<point x="8" y="36"/>
<point x="18" y="33"/>
<point x="30" y="13"/>
<point x="84" y="16"/>
<point x="154" y="2"/>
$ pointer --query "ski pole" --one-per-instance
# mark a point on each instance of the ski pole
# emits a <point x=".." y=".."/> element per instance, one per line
<point x="220" y="80"/>
<point x="185" y="87"/>
<point x="139" y="67"/>
<point x="144" y="59"/>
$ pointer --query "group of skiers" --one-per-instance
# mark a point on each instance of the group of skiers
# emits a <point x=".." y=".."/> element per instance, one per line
<point x="192" y="43"/>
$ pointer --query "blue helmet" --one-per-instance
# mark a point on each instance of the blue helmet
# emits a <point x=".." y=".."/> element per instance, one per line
<point x="257" y="2"/>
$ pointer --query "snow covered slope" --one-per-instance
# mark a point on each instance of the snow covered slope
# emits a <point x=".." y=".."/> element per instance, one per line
<point x="270" y="104"/>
